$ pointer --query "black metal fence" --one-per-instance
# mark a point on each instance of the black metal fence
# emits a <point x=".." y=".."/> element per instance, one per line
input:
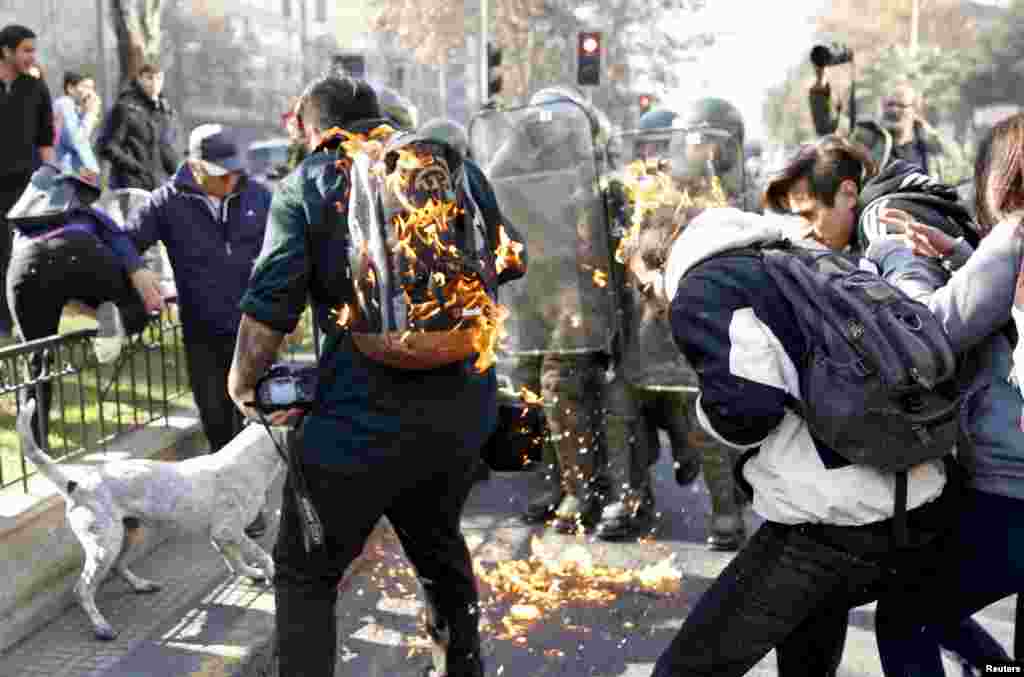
<point x="91" y="402"/>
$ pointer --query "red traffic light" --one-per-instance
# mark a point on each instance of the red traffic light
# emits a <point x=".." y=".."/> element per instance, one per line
<point x="645" y="101"/>
<point x="590" y="45"/>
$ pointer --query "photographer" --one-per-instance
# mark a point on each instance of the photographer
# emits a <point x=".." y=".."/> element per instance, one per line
<point x="901" y="132"/>
<point x="379" y="441"/>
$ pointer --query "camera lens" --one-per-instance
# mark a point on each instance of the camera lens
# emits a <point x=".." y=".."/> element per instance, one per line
<point x="821" y="56"/>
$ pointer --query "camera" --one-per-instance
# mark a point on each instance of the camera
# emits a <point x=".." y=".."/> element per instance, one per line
<point x="831" y="54"/>
<point x="287" y="386"/>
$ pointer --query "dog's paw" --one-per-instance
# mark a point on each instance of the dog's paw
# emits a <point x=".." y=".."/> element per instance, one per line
<point x="105" y="632"/>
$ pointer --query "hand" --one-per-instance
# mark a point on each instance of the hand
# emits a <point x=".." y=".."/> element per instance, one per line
<point x="923" y="240"/>
<point x="285" y="417"/>
<point x="819" y="76"/>
<point x="147" y="284"/>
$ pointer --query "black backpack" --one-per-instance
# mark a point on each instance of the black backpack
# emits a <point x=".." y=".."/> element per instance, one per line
<point x="878" y="382"/>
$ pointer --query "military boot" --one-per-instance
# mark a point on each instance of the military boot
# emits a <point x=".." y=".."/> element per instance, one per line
<point x="726" y="530"/>
<point x="542" y="507"/>
<point x="630" y="512"/>
<point x="572" y="399"/>
<point x="684" y="435"/>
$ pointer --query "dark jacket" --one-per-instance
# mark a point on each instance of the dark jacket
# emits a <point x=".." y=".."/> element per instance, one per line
<point x="139" y="140"/>
<point x="212" y="257"/>
<point x="370" y="413"/>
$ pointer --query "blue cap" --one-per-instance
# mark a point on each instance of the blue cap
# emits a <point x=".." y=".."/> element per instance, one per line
<point x="215" y="149"/>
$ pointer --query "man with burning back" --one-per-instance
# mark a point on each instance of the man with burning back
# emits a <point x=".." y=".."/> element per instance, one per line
<point x="379" y="440"/>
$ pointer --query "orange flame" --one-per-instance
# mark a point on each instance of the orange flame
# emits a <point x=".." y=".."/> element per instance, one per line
<point x="530" y="397"/>
<point x="600" y="278"/>
<point x="508" y="252"/>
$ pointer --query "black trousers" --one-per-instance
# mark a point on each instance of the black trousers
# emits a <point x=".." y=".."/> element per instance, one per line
<point x="45" y="274"/>
<point x="791" y="588"/>
<point x="423" y="502"/>
<point x="209" y="361"/>
<point x="11" y="188"/>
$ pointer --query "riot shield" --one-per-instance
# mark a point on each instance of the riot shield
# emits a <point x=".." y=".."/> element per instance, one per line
<point x="543" y="165"/>
<point x="664" y="176"/>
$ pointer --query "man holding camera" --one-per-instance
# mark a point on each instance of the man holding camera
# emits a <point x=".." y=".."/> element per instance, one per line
<point x="378" y="440"/>
<point x="901" y="132"/>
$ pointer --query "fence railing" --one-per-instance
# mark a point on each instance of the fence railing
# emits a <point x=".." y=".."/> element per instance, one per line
<point x="91" y="402"/>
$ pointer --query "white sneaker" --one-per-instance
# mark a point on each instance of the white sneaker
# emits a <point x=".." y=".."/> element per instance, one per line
<point x="110" y="335"/>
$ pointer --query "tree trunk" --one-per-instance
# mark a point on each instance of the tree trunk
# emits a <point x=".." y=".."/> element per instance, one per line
<point x="137" y="27"/>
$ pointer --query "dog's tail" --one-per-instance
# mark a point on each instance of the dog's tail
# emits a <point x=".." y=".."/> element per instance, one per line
<point x="46" y="465"/>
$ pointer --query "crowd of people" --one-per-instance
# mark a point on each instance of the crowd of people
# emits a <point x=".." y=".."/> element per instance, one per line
<point x="635" y="309"/>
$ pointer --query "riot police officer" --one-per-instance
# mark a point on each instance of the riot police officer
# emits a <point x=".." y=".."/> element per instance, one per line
<point x="656" y="388"/>
<point x="542" y="160"/>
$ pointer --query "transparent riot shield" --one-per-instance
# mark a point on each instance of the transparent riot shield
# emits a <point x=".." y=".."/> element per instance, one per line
<point x="543" y="165"/>
<point x="664" y="177"/>
<point x="121" y="206"/>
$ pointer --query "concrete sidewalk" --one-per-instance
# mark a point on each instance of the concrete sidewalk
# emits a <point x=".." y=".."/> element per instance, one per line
<point x="207" y="623"/>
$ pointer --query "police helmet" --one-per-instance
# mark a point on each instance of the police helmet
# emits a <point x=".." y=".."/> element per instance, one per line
<point x="600" y="126"/>
<point x="449" y="132"/>
<point x="656" y="119"/>
<point x="717" y="114"/>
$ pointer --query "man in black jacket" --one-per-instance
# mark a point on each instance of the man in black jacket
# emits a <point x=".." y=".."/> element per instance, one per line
<point x="140" y="134"/>
<point x="26" y="124"/>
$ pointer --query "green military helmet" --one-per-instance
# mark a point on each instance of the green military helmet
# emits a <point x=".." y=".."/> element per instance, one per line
<point x="713" y="112"/>
<point x="601" y="126"/>
<point x="657" y="119"/>
<point x="449" y="132"/>
<point x="396" y="107"/>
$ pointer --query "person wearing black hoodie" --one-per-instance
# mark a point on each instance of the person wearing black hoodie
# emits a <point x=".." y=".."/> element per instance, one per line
<point x="139" y="137"/>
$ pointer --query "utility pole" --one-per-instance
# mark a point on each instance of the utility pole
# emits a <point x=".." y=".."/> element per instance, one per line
<point x="484" y="75"/>
<point x="915" y="24"/>
<point x="304" y="40"/>
<point x="101" y="46"/>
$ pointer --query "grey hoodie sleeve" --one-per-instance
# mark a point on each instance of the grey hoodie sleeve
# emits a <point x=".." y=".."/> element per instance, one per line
<point x="977" y="299"/>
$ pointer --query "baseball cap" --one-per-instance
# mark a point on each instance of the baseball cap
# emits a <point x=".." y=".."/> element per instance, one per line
<point x="215" y="149"/>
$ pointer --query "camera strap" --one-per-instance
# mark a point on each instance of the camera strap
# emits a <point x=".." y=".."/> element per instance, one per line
<point x="309" y="519"/>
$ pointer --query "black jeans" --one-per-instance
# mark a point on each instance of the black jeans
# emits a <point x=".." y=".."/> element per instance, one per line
<point x="11" y="188"/>
<point x="424" y="502"/>
<point x="209" y="361"/>
<point x="985" y="563"/>
<point x="45" y="274"/>
<point x="791" y="588"/>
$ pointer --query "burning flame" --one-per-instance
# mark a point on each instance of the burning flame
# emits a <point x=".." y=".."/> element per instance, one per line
<point x="530" y="397"/>
<point x="508" y="252"/>
<point x="650" y="189"/>
<point x="600" y="278"/>
<point x="420" y="237"/>
<point x="344" y="315"/>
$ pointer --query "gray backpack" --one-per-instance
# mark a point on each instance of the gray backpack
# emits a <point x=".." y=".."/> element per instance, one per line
<point x="878" y="383"/>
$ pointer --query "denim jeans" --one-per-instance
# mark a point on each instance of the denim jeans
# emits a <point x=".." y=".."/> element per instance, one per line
<point x="984" y="563"/>
<point x="791" y="588"/>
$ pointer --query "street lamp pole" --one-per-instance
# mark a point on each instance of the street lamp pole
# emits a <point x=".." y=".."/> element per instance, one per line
<point x="101" y="45"/>
<point x="484" y="75"/>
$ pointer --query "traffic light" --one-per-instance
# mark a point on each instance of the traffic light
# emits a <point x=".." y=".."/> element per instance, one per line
<point x="588" y="51"/>
<point x="645" y="103"/>
<point x="493" y="77"/>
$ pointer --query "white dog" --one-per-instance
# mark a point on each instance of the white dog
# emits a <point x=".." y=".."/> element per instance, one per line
<point x="216" y="494"/>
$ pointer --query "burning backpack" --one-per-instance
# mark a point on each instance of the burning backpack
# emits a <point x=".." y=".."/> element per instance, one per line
<point x="422" y="262"/>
